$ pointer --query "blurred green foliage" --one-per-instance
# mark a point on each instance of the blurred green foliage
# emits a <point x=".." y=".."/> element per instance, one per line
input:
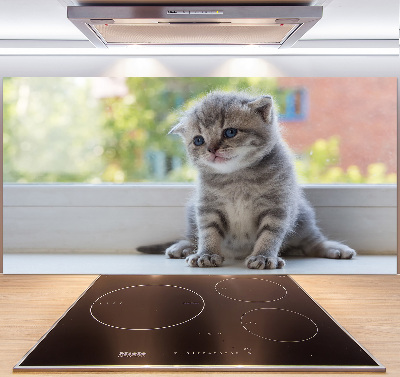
<point x="57" y="130"/>
<point x="318" y="165"/>
<point x="50" y="131"/>
<point x="60" y="130"/>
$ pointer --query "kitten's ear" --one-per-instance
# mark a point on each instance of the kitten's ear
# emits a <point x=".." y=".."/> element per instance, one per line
<point x="262" y="106"/>
<point x="177" y="129"/>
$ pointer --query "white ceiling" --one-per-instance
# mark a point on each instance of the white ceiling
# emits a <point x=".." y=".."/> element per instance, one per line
<point x="342" y="20"/>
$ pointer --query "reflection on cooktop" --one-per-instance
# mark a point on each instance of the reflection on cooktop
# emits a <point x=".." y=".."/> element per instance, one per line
<point x="204" y="322"/>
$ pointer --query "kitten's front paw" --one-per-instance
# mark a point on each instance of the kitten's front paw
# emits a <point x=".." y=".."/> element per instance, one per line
<point x="336" y="250"/>
<point x="260" y="262"/>
<point x="205" y="260"/>
<point x="181" y="249"/>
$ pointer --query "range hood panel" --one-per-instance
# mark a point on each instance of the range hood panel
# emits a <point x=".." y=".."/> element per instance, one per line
<point x="199" y="33"/>
<point x="113" y="26"/>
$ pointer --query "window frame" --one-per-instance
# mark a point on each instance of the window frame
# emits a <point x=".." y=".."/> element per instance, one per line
<point x="109" y="218"/>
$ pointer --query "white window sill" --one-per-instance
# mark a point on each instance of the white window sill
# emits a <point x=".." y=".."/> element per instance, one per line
<point x="157" y="264"/>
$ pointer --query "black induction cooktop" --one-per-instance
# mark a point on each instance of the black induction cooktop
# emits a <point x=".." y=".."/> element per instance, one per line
<point x="202" y="322"/>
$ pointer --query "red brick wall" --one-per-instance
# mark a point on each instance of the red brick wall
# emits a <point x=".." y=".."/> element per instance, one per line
<point x="361" y="111"/>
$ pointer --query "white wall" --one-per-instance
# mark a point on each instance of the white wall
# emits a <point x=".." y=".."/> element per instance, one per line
<point x="197" y="66"/>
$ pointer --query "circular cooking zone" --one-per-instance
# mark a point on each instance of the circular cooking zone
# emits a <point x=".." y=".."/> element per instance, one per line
<point x="279" y="325"/>
<point x="147" y="307"/>
<point x="251" y="290"/>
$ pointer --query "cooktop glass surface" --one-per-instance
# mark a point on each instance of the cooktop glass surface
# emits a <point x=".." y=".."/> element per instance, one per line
<point x="202" y="322"/>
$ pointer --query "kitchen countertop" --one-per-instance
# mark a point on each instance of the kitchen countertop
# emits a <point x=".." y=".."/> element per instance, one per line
<point x="368" y="307"/>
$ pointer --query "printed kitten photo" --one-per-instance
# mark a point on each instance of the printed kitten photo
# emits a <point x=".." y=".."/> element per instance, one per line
<point x="248" y="203"/>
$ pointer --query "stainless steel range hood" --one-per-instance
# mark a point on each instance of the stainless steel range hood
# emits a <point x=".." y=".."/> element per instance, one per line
<point x="116" y="26"/>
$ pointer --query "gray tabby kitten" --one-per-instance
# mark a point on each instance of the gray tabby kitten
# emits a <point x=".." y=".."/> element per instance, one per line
<point x="248" y="203"/>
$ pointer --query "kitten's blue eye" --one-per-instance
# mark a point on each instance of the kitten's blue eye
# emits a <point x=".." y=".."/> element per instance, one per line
<point x="198" y="140"/>
<point x="230" y="132"/>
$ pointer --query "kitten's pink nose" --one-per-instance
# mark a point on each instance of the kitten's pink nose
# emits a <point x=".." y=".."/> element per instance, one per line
<point x="212" y="149"/>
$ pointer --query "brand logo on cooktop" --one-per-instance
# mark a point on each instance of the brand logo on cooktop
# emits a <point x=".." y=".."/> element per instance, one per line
<point x="131" y="354"/>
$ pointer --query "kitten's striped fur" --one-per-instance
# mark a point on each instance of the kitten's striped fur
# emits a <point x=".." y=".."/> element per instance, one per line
<point x="248" y="203"/>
